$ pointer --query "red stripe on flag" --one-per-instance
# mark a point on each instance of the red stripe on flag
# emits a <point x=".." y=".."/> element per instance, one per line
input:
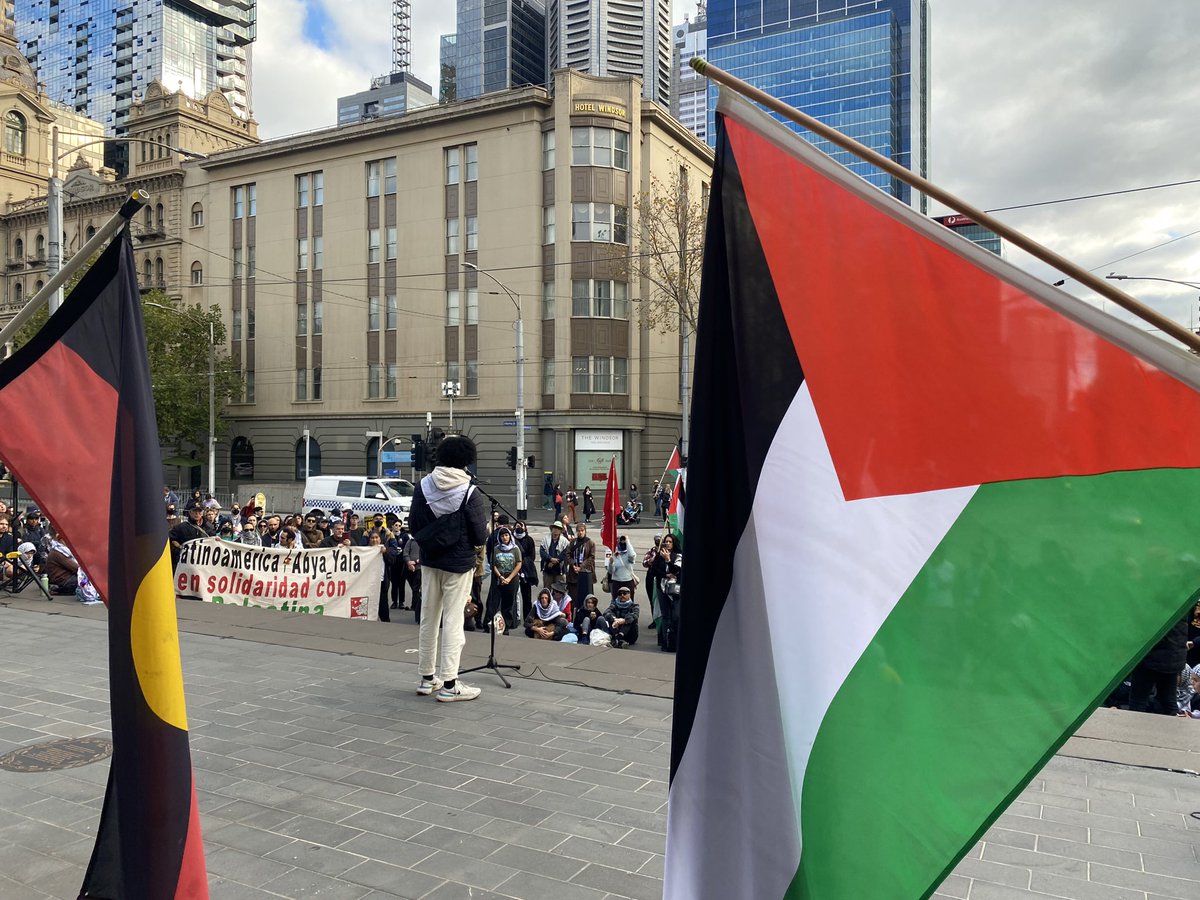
<point x="193" y="877"/>
<point x="928" y="371"/>
<point x="71" y="433"/>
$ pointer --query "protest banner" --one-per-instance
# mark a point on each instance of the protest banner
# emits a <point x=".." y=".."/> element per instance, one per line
<point x="334" y="581"/>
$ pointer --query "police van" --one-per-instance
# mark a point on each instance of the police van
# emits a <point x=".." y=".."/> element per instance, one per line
<point x="390" y="497"/>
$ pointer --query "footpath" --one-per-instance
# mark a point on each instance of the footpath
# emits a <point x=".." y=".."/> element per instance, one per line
<point x="321" y="774"/>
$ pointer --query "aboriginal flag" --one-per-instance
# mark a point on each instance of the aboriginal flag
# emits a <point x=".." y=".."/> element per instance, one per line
<point x="937" y="508"/>
<point x="80" y="436"/>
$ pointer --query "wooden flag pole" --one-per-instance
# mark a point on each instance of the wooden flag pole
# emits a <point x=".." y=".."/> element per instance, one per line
<point x="1104" y="288"/>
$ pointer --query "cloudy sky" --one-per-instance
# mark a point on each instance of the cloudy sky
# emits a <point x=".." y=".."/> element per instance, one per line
<point x="1031" y="101"/>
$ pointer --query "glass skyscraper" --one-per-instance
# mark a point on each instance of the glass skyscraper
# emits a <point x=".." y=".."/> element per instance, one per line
<point x="96" y="56"/>
<point x="860" y="66"/>
<point x="500" y="44"/>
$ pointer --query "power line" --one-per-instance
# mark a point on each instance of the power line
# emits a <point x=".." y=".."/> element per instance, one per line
<point x="1136" y="190"/>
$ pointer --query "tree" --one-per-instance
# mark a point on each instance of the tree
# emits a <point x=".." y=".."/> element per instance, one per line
<point x="670" y="222"/>
<point x="177" y="342"/>
<point x="177" y="339"/>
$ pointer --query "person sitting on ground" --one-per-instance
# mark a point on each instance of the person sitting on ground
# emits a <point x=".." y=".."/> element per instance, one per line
<point x="546" y="621"/>
<point x="622" y="617"/>
<point x="590" y="623"/>
<point x="558" y="592"/>
<point x="8" y="544"/>
<point x="61" y="569"/>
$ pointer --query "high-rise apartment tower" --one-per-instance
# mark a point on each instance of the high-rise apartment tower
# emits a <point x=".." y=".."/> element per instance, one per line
<point x="500" y="44"/>
<point x="614" y="37"/>
<point x="861" y="66"/>
<point x="689" y="89"/>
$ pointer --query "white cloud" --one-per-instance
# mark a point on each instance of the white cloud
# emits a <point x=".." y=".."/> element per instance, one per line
<point x="1031" y="101"/>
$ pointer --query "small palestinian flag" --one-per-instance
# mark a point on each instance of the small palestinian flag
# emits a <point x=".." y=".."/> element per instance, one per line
<point x="77" y="399"/>
<point x="675" y="510"/>
<point x="941" y="508"/>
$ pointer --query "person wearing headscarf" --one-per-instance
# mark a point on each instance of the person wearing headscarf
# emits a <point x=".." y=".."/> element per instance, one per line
<point x="506" y="561"/>
<point x="546" y="620"/>
<point x="622" y="617"/>
<point x="589" y="621"/>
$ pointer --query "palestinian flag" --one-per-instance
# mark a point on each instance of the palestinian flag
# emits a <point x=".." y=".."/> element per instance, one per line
<point x="77" y="399"/>
<point x="943" y="507"/>
<point x="675" y="511"/>
<point x="671" y="472"/>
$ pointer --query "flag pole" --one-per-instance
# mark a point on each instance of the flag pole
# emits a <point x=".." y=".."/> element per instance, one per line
<point x="128" y="210"/>
<point x="1104" y="288"/>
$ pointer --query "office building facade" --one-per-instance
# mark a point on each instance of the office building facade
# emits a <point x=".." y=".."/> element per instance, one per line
<point x="500" y="44"/>
<point x="389" y="95"/>
<point x="861" y="66"/>
<point x="99" y="57"/>
<point x="689" y="89"/>
<point x="614" y="38"/>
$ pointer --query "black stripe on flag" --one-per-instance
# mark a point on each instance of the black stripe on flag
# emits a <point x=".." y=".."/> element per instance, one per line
<point x="747" y="375"/>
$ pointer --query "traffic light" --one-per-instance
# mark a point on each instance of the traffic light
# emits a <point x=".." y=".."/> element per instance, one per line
<point x="511" y="457"/>
<point x="418" y="453"/>
<point x="436" y="436"/>
<point x="529" y="462"/>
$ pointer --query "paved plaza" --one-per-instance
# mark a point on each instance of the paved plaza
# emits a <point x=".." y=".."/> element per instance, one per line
<point x="321" y="774"/>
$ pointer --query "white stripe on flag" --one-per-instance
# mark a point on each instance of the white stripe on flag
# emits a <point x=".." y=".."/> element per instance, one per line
<point x="826" y="574"/>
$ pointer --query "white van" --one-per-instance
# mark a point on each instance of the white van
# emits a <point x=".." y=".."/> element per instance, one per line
<point x="391" y="497"/>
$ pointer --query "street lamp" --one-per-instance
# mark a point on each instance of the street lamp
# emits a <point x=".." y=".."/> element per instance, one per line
<point x="1113" y="276"/>
<point x="522" y="501"/>
<point x="450" y="390"/>
<point x="54" y="200"/>
<point x="212" y="397"/>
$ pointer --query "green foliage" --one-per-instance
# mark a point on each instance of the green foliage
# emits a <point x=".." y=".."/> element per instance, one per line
<point x="177" y="342"/>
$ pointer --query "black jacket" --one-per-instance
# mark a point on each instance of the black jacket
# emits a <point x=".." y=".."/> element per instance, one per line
<point x="1170" y="653"/>
<point x="460" y="557"/>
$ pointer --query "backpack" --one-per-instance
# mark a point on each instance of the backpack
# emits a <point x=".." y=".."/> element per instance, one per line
<point x="444" y="532"/>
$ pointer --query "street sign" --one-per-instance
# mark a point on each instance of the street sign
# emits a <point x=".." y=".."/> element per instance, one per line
<point x="396" y="456"/>
<point x="512" y="423"/>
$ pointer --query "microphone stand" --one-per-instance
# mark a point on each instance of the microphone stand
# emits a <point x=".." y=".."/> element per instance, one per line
<point x="491" y="664"/>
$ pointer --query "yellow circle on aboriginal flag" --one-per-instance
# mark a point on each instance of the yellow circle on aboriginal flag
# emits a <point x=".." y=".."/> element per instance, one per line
<point x="154" y="640"/>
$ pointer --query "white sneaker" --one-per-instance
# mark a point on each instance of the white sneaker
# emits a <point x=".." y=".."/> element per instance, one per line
<point x="460" y="691"/>
<point x="425" y="688"/>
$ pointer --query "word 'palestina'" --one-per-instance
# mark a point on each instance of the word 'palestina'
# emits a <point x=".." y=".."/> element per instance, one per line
<point x="256" y="559"/>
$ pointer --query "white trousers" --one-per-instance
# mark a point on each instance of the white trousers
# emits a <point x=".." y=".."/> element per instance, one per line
<point x="444" y="596"/>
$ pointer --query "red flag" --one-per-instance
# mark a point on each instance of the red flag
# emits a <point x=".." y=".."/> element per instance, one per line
<point x="612" y="508"/>
<point x="100" y="417"/>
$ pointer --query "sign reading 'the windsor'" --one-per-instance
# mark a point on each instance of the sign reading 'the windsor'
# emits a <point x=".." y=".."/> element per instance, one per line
<point x="335" y="581"/>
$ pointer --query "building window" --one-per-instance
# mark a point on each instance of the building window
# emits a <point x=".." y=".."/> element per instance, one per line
<point x="547" y="376"/>
<point x="301" y="256"/>
<point x="249" y="387"/>
<point x="393" y="313"/>
<point x="604" y="147"/>
<point x="19" y="250"/>
<point x="547" y="299"/>
<point x="159" y="270"/>
<point x="472" y="306"/>
<point x="249" y="323"/>
<point x="620" y="375"/>
<point x="197" y="215"/>
<point x="452" y="157"/>
<point x="372" y="245"/>
<point x="318" y="189"/>
<point x="318" y="251"/>
<point x="391" y="242"/>
<point x="601" y="375"/>
<point x="197" y="273"/>
<point x="39" y="246"/>
<point x="472" y="162"/>
<point x="18" y="292"/>
<point x="239" y="202"/>
<point x="472" y="233"/>
<point x="547" y="150"/>
<point x="600" y="222"/>
<point x="301" y="383"/>
<point x="389" y="176"/>
<point x="452" y="308"/>
<point x="451" y="237"/>
<point x="316" y="383"/>
<point x="148" y="218"/>
<point x="15" y="132"/>
<point x="372" y="179"/>
<point x="580" y="372"/>
<point x="302" y="192"/>
<point x="318" y="316"/>
<point x="390" y="385"/>
<point x="89" y="232"/>
<point x="600" y="299"/>
<point x="250" y="261"/>
<point x="547" y="224"/>
<point x="313" y="455"/>
<point x="373" y="381"/>
<point x="241" y="458"/>
<point x="236" y="324"/>
<point x="301" y="320"/>
<point x="452" y="371"/>
<point x="472" y="378"/>
<point x="252" y="199"/>
<point x="372" y="314"/>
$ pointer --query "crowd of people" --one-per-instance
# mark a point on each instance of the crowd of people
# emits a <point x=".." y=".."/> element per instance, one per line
<point x="1167" y="679"/>
<point x="41" y="554"/>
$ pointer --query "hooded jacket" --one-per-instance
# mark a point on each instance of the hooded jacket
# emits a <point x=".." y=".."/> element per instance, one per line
<point x="439" y="493"/>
